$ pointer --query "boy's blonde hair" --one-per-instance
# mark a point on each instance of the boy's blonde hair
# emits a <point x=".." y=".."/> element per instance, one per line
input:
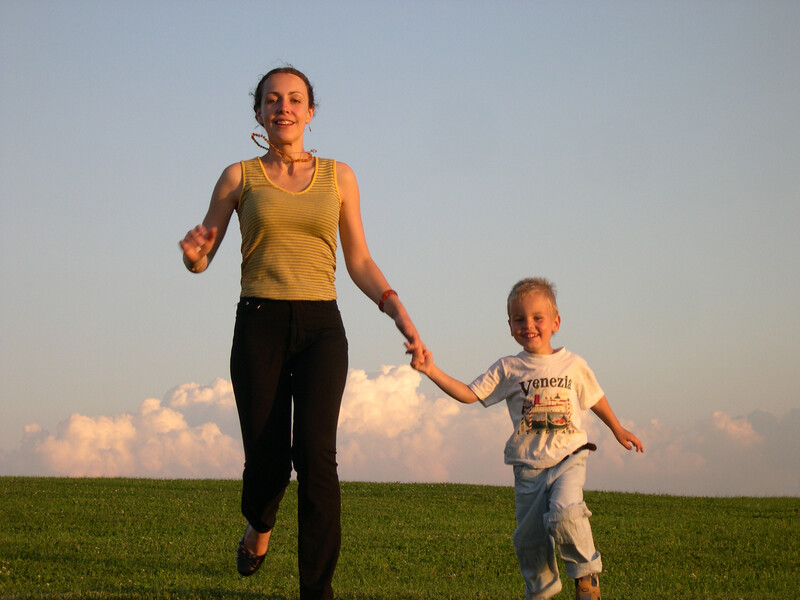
<point x="533" y="285"/>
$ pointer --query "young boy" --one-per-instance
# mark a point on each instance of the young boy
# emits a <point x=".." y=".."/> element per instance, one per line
<point x="548" y="393"/>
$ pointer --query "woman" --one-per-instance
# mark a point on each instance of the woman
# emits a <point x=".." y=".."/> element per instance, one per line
<point x="289" y="354"/>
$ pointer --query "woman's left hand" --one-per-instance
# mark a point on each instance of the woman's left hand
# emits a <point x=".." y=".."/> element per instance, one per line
<point x="414" y="344"/>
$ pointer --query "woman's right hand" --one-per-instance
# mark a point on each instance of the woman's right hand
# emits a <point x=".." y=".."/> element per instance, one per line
<point x="198" y="243"/>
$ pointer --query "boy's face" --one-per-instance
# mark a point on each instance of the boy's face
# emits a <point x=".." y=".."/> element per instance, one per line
<point x="533" y="322"/>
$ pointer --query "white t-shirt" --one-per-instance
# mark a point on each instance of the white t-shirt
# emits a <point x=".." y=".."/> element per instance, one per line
<point x="547" y="397"/>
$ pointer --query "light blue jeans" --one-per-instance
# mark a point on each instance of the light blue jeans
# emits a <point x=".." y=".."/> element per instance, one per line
<point x="551" y="513"/>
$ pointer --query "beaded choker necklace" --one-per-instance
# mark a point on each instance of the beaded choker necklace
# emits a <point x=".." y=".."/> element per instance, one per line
<point x="308" y="154"/>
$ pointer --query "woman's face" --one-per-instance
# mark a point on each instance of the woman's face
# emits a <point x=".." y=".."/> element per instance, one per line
<point x="284" y="110"/>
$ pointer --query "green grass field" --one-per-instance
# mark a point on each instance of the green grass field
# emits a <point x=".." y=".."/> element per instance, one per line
<point x="159" y="539"/>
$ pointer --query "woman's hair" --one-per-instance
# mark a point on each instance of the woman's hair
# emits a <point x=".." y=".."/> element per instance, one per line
<point x="533" y="285"/>
<point x="259" y="91"/>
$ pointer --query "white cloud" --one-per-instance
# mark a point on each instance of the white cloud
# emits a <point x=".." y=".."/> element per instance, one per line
<point x="720" y="455"/>
<point x="739" y="431"/>
<point x="390" y="431"/>
<point x="218" y="393"/>
<point x="155" y="441"/>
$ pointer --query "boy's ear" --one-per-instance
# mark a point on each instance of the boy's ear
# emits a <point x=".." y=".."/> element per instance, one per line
<point x="556" y="323"/>
<point x="510" y="329"/>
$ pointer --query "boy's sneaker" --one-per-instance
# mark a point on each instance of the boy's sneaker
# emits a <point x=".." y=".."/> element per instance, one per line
<point x="587" y="588"/>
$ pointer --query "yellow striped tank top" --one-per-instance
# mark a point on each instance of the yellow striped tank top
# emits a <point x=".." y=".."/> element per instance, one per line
<point x="289" y="239"/>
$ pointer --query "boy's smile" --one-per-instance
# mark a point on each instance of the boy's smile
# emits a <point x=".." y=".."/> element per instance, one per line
<point x="533" y="321"/>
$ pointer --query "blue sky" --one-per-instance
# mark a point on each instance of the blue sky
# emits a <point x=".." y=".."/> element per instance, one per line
<point x="641" y="155"/>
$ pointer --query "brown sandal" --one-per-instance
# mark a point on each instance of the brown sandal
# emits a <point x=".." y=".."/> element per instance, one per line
<point x="587" y="588"/>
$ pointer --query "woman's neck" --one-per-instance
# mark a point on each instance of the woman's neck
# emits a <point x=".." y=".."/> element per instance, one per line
<point x="287" y="154"/>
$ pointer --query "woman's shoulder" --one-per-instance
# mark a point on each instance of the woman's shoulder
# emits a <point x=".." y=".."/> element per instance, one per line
<point x="230" y="182"/>
<point x="236" y="169"/>
<point x="232" y="174"/>
<point x="341" y="167"/>
<point x="344" y="174"/>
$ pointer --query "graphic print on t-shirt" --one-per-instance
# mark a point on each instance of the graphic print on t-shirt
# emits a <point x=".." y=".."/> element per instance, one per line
<point x="544" y="413"/>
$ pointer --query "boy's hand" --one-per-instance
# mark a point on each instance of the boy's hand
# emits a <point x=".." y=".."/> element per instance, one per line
<point x="450" y="386"/>
<point x="424" y="362"/>
<point x="628" y="440"/>
<point x="603" y="410"/>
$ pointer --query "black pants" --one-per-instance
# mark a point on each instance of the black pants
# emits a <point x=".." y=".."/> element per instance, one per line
<point x="291" y="357"/>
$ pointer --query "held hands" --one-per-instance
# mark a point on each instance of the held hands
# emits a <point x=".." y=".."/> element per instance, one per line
<point x="451" y="386"/>
<point x="414" y="346"/>
<point x="395" y="309"/>
<point x="424" y="363"/>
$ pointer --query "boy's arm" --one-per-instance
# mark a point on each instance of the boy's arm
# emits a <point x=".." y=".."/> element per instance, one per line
<point x="603" y="410"/>
<point x="449" y="385"/>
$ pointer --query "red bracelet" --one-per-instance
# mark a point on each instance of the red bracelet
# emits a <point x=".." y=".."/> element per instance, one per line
<point x="385" y="297"/>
